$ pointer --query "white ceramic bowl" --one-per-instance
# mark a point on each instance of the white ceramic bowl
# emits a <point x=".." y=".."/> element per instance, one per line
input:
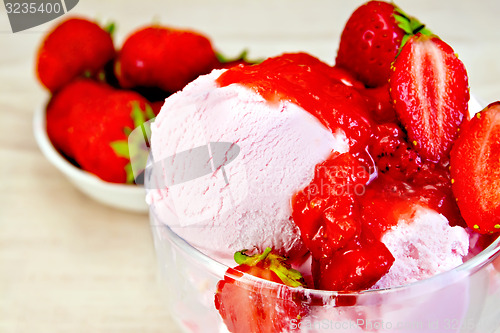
<point x="121" y="196"/>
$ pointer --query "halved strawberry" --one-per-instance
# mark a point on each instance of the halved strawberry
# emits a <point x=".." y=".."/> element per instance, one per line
<point x="430" y="92"/>
<point x="248" y="305"/>
<point x="475" y="170"/>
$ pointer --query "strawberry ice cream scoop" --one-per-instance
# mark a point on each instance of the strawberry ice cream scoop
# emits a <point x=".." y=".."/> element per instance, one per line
<point x="227" y="163"/>
<point x="423" y="244"/>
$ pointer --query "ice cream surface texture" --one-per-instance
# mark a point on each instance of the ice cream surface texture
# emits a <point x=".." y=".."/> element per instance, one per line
<point x="279" y="143"/>
<point x="423" y="245"/>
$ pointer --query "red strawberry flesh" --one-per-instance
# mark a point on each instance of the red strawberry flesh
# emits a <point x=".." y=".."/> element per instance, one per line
<point x="475" y="168"/>
<point x="429" y="86"/>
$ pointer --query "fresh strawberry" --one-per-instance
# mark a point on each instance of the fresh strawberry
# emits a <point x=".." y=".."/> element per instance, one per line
<point x="326" y="211"/>
<point x="430" y="90"/>
<point x="475" y="168"/>
<point x="372" y="38"/>
<point x="247" y="305"/>
<point x="76" y="47"/>
<point x="100" y="137"/>
<point x="162" y="57"/>
<point x="60" y="106"/>
<point x="355" y="267"/>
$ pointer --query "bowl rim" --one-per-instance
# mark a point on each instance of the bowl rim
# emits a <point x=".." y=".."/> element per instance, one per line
<point x="483" y="258"/>
<point x="63" y="165"/>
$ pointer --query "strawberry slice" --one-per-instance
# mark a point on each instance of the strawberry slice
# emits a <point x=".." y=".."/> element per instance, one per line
<point x="430" y="92"/>
<point x="475" y="170"/>
<point x="248" y="305"/>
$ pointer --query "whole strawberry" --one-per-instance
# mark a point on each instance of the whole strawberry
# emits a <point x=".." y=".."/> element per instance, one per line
<point x="163" y="57"/>
<point x="475" y="170"/>
<point x="372" y="38"/>
<point x="60" y="106"/>
<point x="101" y="128"/>
<point x="248" y="306"/>
<point x="430" y="92"/>
<point x="76" y="47"/>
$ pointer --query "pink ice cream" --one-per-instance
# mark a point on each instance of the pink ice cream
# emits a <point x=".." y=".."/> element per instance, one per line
<point x="423" y="244"/>
<point x="280" y="144"/>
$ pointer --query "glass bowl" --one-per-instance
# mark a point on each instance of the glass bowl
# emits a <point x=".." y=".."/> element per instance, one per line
<point x="465" y="299"/>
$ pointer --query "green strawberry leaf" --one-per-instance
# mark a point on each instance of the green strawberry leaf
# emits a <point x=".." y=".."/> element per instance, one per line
<point x="403" y="22"/>
<point x="425" y="31"/>
<point x="120" y="148"/>
<point x="288" y="275"/>
<point x="242" y="56"/>
<point x="110" y="28"/>
<point x="149" y="112"/>
<point x="243" y="259"/>
<point x="138" y="138"/>
<point x="127" y="130"/>
<point x="130" y="173"/>
<point x="223" y="59"/>
<point x="137" y="114"/>
<point x="275" y="263"/>
<point x="410" y="25"/>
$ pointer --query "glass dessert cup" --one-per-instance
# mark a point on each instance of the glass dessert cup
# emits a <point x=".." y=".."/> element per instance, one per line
<point x="465" y="299"/>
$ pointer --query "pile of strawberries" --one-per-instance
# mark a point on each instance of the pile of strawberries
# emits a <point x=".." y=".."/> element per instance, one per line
<point x="424" y="147"/>
<point x="100" y="94"/>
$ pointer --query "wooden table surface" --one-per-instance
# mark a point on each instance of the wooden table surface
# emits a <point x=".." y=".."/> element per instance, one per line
<point x="69" y="264"/>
